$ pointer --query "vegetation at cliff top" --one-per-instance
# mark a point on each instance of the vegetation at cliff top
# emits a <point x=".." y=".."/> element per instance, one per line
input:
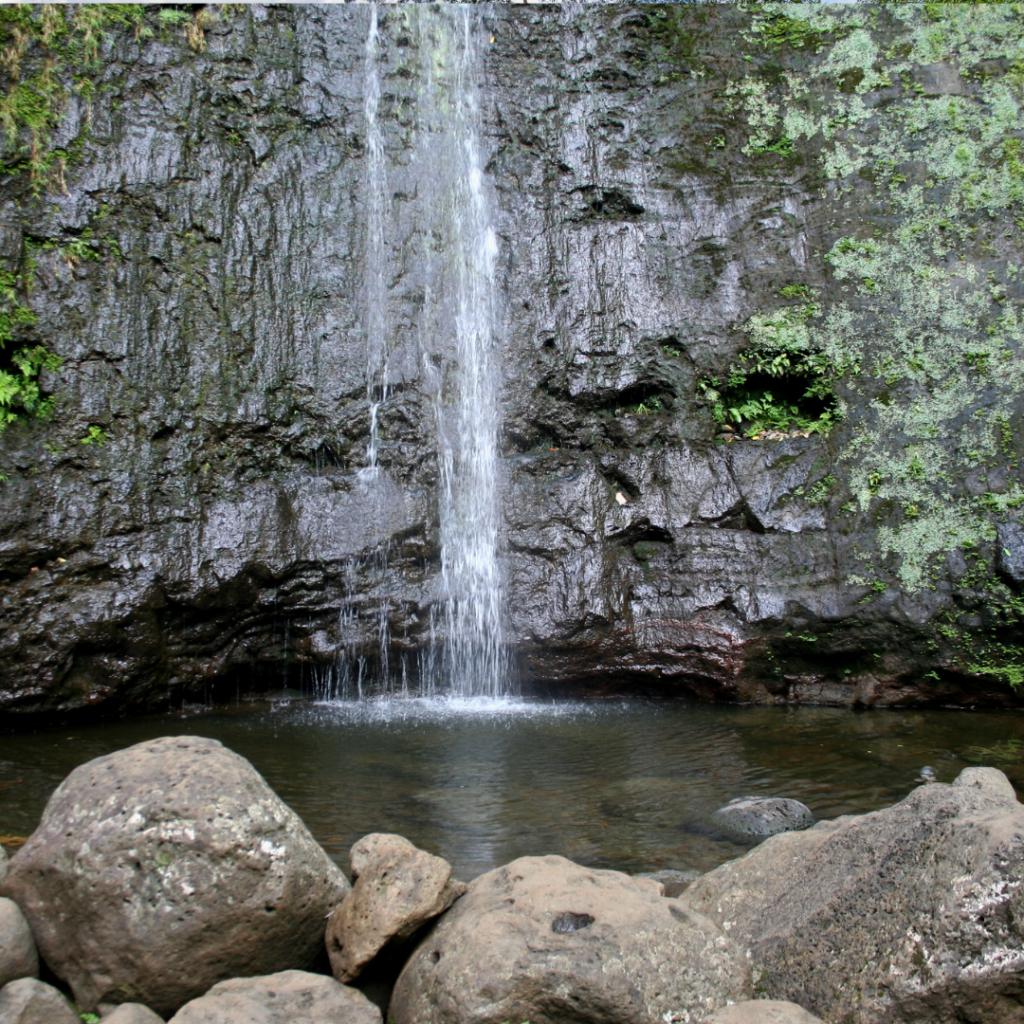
<point x="48" y="53"/>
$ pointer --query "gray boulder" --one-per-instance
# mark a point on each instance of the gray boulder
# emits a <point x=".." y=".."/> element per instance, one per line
<point x="132" y="1013"/>
<point x="1010" y="551"/>
<point x="912" y="913"/>
<point x="18" y="956"/>
<point x="547" y="941"/>
<point x="159" y="870"/>
<point x="760" y="816"/>
<point x="289" y="997"/>
<point x="397" y="889"/>
<point x="763" y="1011"/>
<point x="28" y="1001"/>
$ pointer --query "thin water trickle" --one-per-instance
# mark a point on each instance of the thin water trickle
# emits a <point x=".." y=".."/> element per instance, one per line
<point x="376" y="257"/>
<point x="349" y="674"/>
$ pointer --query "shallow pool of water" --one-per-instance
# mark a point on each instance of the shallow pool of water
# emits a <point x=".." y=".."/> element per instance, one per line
<point x="627" y="785"/>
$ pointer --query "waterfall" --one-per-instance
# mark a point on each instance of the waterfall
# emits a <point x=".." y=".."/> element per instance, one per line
<point x="376" y="259"/>
<point x="458" y="349"/>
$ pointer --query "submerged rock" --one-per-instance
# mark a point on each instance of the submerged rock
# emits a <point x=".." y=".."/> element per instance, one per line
<point x="760" y="816"/>
<point x="911" y="913"/>
<point x="288" y="997"/>
<point x="763" y="1011"/>
<point x="397" y="889"/>
<point x="28" y="1001"/>
<point x="162" y="869"/>
<point x="548" y="941"/>
<point x="18" y="956"/>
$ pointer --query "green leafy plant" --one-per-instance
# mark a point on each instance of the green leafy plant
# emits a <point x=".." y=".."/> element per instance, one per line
<point x="21" y="358"/>
<point x="95" y="435"/>
<point x="173" y="16"/>
<point x="783" y="31"/>
<point x="60" y="45"/>
<point x="780" y="382"/>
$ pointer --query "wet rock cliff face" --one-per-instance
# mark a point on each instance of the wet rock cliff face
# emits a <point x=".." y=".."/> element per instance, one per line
<point x="672" y="188"/>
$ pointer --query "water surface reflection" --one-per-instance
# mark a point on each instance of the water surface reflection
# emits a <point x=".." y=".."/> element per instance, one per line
<point x="628" y="785"/>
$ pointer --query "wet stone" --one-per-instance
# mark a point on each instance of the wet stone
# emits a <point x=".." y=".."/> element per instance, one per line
<point x="1010" y="551"/>
<point x="760" y="817"/>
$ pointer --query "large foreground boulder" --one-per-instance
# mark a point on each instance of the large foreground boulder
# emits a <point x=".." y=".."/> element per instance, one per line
<point x="397" y="889"/>
<point x="289" y="997"/>
<point x="162" y="869"/>
<point x="28" y="1001"/>
<point x="18" y="957"/>
<point x="909" y="914"/>
<point x="547" y="941"/>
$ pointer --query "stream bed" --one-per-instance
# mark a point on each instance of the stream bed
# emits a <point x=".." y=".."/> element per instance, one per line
<point x="618" y="784"/>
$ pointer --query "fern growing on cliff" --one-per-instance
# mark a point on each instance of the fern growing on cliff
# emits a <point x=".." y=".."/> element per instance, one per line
<point x="21" y="360"/>
<point x="781" y="382"/>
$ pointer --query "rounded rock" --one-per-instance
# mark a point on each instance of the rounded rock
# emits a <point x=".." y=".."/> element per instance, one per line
<point x="28" y="1001"/>
<point x="398" y="889"/>
<point x="132" y="1013"/>
<point x="911" y="913"/>
<point x="18" y="956"/>
<point x="760" y="816"/>
<point x="763" y="1011"/>
<point x="545" y="940"/>
<point x="161" y="869"/>
<point x="288" y="997"/>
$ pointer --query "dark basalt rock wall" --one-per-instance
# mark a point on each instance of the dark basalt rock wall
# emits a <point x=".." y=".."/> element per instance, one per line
<point x="654" y="193"/>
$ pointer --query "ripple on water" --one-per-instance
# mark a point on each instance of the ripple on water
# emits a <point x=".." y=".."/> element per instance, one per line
<point x="627" y="784"/>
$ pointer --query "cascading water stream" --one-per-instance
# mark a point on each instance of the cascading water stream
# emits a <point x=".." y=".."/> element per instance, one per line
<point x="376" y="258"/>
<point x="466" y="402"/>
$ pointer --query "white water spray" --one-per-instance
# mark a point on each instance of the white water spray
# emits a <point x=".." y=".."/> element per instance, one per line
<point x="474" y="659"/>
